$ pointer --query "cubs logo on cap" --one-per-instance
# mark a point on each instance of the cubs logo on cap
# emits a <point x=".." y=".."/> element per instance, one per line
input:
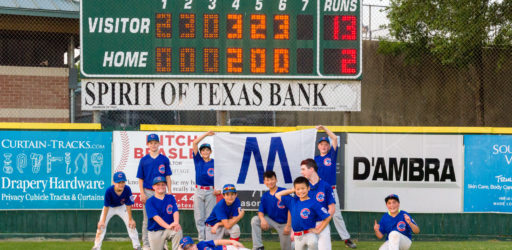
<point x="159" y="179"/>
<point x="119" y="177"/>
<point x="185" y="241"/>
<point x="228" y="188"/>
<point x="205" y="145"/>
<point x="152" y="137"/>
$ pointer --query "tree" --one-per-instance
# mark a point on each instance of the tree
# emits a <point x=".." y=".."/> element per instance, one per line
<point x="454" y="31"/>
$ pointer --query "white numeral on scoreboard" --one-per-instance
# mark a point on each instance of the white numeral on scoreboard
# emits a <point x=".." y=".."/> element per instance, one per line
<point x="164" y="4"/>
<point x="236" y="4"/>
<point x="188" y="4"/>
<point x="282" y="5"/>
<point x="259" y="4"/>
<point x="305" y="4"/>
<point x="212" y="4"/>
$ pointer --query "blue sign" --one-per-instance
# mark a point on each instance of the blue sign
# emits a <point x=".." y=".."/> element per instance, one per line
<point x="54" y="170"/>
<point x="488" y="173"/>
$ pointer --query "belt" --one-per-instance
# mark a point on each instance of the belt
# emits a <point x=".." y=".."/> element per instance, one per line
<point x="300" y="233"/>
<point x="204" y="187"/>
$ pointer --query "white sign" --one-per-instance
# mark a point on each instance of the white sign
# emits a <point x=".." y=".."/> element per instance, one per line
<point x="130" y="147"/>
<point x="186" y="94"/>
<point x="241" y="159"/>
<point x="425" y="171"/>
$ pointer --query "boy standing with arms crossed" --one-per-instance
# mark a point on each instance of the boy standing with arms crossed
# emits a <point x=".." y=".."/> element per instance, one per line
<point x="118" y="201"/>
<point x="305" y="212"/>
<point x="272" y="213"/>
<point x="326" y="162"/>
<point x="151" y="165"/>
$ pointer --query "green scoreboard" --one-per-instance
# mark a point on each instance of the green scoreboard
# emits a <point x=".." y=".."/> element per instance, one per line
<point x="244" y="39"/>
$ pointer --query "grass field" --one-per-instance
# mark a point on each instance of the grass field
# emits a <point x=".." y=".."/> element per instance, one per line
<point x="110" y="245"/>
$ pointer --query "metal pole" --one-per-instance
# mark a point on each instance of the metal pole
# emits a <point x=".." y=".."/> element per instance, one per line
<point x="222" y="118"/>
<point x="71" y="64"/>
<point x="346" y="118"/>
<point x="370" y="21"/>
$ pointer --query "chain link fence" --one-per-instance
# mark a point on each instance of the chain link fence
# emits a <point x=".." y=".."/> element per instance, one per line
<point x="398" y="89"/>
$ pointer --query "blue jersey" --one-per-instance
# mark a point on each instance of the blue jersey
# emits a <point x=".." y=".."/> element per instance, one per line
<point x="150" y="168"/>
<point x="114" y="200"/>
<point x="164" y="208"/>
<point x="305" y="214"/>
<point x="273" y="208"/>
<point x="388" y="224"/>
<point x="204" y="170"/>
<point x="222" y="211"/>
<point x="327" y="166"/>
<point x="322" y="192"/>
<point x="208" y="245"/>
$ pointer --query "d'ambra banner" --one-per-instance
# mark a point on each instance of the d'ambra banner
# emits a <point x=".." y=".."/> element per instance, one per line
<point x="54" y="170"/>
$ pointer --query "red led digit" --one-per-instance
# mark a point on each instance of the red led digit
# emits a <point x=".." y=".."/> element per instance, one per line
<point x="211" y="26"/>
<point x="348" y="61"/>
<point x="350" y="28"/>
<point x="258" y="61"/>
<point x="234" y="26"/>
<point x="336" y="28"/>
<point x="258" y="27"/>
<point x="281" y="61"/>
<point x="234" y="60"/>
<point x="187" y="25"/>
<point x="211" y="60"/>
<point x="163" y="59"/>
<point x="187" y="60"/>
<point x="163" y="25"/>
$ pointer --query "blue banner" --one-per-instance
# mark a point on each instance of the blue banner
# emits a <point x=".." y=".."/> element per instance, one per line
<point x="54" y="170"/>
<point x="488" y="173"/>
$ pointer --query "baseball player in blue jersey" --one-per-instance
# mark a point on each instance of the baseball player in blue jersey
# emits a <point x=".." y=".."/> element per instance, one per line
<point x="326" y="162"/>
<point x="320" y="191"/>
<point x="397" y="225"/>
<point x="188" y="244"/>
<point x="271" y="214"/>
<point x="305" y="213"/>
<point x="225" y="216"/>
<point x="118" y="201"/>
<point x="151" y="166"/>
<point x="205" y="196"/>
<point x="164" y="218"/>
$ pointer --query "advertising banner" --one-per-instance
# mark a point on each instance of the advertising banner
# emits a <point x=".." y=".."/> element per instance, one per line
<point x="130" y="147"/>
<point x="241" y="159"/>
<point x="207" y="94"/>
<point x="54" y="170"/>
<point x="425" y="171"/>
<point x="488" y="173"/>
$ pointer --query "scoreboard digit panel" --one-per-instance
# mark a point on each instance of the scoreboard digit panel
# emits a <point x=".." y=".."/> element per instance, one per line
<point x="276" y="39"/>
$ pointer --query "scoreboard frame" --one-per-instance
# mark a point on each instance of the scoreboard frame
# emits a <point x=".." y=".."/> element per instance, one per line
<point x="317" y="74"/>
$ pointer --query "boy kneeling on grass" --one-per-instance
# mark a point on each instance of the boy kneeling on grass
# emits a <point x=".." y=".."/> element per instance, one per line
<point x="188" y="244"/>
<point x="396" y="225"/>
<point x="305" y="213"/>
<point x="225" y="216"/>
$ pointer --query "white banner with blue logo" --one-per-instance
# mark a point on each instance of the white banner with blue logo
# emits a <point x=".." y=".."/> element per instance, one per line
<point x="241" y="159"/>
<point x="488" y="173"/>
<point x="54" y="170"/>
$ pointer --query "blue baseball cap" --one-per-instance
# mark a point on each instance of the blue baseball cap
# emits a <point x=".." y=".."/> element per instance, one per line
<point x="186" y="241"/>
<point x="228" y="188"/>
<point x="205" y="145"/>
<point x="159" y="179"/>
<point x="119" y="177"/>
<point x="324" y="138"/>
<point x="392" y="196"/>
<point x="152" y="137"/>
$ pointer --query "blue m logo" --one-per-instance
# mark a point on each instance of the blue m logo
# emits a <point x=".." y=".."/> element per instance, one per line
<point x="276" y="147"/>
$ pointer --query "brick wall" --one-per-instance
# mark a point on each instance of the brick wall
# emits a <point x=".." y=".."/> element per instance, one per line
<point x="34" y="94"/>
